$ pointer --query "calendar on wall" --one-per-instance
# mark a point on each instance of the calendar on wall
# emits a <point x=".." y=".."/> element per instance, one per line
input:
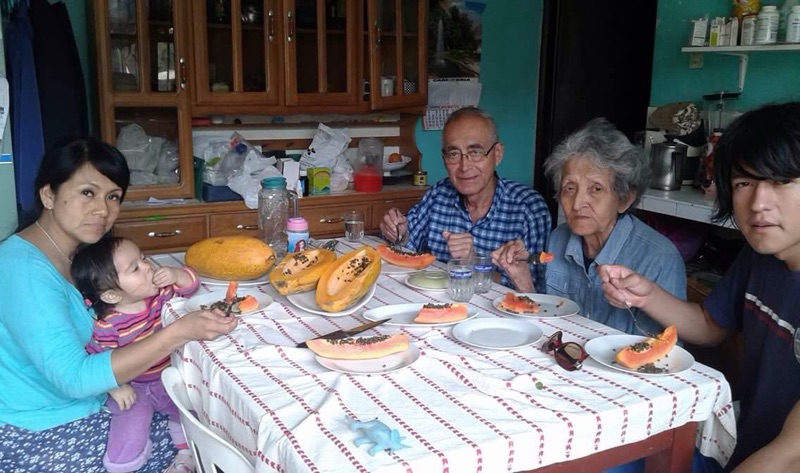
<point x="445" y="96"/>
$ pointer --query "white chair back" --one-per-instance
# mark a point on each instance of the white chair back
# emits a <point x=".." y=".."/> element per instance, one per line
<point x="211" y="453"/>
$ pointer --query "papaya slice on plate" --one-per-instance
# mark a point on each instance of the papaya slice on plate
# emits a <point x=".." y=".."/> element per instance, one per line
<point x="248" y="304"/>
<point x="230" y="294"/>
<point x="359" y="348"/>
<point x="519" y="304"/>
<point x="405" y="259"/>
<point x="648" y="350"/>
<point x="441" y="313"/>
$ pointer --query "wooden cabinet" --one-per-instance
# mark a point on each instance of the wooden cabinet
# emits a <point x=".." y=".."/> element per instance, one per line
<point x="142" y="74"/>
<point x="380" y="207"/>
<point x="308" y="56"/>
<point x="397" y="42"/>
<point x="233" y="223"/>
<point x="166" y="234"/>
<point x="173" y="228"/>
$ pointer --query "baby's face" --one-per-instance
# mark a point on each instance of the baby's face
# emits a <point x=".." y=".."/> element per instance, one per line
<point x="134" y="273"/>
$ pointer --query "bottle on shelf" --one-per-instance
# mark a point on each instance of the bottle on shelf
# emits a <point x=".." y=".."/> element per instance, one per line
<point x="273" y="212"/>
<point x="793" y="26"/>
<point x="297" y="233"/>
<point x="767" y="25"/>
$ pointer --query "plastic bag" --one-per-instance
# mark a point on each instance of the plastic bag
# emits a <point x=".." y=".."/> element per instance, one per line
<point x="341" y="174"/>
<point x="326" y="146"/>
<point x="213" y="155"/>
<point x="168" y="163"/>
<point x="134" y="144"/>
<point x="248" y="184"/>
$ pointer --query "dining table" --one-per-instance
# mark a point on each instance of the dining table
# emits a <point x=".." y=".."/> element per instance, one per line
<point x="458" y="406"/>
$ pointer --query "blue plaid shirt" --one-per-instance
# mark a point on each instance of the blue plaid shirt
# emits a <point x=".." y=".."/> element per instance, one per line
<point x="517" y="212"/>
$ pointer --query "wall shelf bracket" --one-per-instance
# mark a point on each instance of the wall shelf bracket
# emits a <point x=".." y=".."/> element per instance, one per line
<point x="743" y="60"/>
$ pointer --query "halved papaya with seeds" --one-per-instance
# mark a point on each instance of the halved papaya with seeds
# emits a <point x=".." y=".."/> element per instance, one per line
<point x="299" y="272"/>
<point x="648" y="350"/>
<point x="405" y="259"/>
<point x="347" y="279"/>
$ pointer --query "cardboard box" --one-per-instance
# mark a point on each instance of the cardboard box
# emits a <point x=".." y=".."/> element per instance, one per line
<point x="319" y="181"/>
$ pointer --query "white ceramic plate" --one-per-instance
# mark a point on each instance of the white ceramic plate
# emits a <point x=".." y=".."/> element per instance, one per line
<point x="604" y="350"/>
<point x="549" y="306"/>
<point x="412" y="279"/>
<point x="177" y="260"/>
<point x="497" y="333"/>
<point x="387" y="166"/>
<point x="307" y="301"/>
<point x="403" y="314"/>
<point x="209" y="298"/>
<point x="385" y="364"/>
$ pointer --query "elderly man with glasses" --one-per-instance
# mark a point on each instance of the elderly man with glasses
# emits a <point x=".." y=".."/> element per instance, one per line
<point x="473" y="210"/>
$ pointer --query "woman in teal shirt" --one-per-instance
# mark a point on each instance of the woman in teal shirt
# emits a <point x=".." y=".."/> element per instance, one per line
<point x="53" y="390"/>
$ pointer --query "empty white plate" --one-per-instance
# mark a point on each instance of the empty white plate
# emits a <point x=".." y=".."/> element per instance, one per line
<point x="384" y="364"/>
<point x="497" y="333"/>
<point x="307" y="301"/>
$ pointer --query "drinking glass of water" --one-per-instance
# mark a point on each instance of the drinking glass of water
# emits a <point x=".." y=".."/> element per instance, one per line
<point x="460" y="280"/>
<point x="354" y="225"/>
<point x="482" y="267"/>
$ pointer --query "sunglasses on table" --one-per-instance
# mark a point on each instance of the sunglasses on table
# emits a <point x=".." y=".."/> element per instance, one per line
<point x="568" y="355"/>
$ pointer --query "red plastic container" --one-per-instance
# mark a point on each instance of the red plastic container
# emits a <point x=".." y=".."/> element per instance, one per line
<point x="366" y="181"/>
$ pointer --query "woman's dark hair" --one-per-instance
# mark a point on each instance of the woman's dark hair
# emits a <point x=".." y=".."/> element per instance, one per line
<point x="66" y="157"/>
<point x="94" y="273"/>
<point x="761" y="144"/>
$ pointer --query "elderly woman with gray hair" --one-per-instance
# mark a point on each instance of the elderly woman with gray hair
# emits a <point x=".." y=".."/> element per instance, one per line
<point x="600" y="177"/>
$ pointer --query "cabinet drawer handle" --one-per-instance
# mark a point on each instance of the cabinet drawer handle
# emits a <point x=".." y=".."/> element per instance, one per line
<point x="246" y="227"/>
<point x="331" y="220"/>
<point x="183" y="72"/>
<point x="271" y="33"/>
<point x="164" y="234"/>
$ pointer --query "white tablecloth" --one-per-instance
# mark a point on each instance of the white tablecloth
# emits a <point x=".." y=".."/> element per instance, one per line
<point x="460" y="408"/>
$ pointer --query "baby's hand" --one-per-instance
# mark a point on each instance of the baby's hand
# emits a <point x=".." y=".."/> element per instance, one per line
<point x="124" y="396"/>
<point x="166" y="276"/>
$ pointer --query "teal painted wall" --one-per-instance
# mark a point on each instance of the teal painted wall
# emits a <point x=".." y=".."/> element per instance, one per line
<point x="771" y="76"/>
<point x="510" y="79"/>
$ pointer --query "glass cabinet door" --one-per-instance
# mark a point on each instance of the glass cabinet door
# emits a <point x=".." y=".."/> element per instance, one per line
<point x="147" y="137"/>
<point x="320" y="44"/>
<point x="141" y="39"/>
<point x="398" y="53"/>
<point x="236" y="52"/>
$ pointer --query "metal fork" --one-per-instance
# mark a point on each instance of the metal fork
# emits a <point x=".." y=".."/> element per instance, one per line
<point x="398" y="242"/>
<point x="636" y="322"/>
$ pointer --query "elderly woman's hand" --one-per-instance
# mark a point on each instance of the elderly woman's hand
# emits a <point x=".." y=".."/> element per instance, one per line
<point x="459" y="244"/>
<point x="506" y="258"/>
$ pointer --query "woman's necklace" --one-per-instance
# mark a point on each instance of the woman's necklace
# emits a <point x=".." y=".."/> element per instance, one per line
<point x="53" y="242"/>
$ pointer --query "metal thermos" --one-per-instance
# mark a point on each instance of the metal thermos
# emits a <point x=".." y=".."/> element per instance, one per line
<point x="666" y="163"/>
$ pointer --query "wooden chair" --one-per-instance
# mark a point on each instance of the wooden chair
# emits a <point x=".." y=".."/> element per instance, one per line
<point x="211" y="453"/>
